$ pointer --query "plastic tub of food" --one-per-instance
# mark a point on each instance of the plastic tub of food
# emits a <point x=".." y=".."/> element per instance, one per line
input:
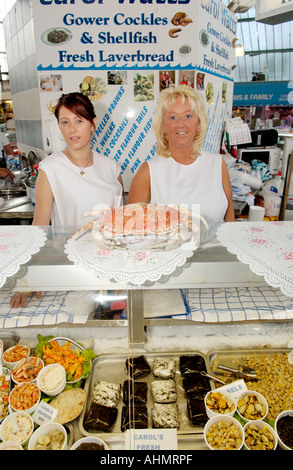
<point x="252" y="405"/>
<point x="27" y="369"/>
<point x="259" y="435"/>
<point x="284" y="429"/>
<point x="89" y="443"/>
<point x="49" y="436"/>
<point x="25" y="397"/>
<point x="219" y="403"/>
<point x="224" y="433"/>
<point x="5" y="387"/>
<point x="25" y="423"/>
<point x="10" y="445"/>
<point x="52" y="379"/>
<point x="13" y="355"/>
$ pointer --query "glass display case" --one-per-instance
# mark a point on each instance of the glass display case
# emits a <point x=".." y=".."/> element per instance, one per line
<point x="121" y="319"/>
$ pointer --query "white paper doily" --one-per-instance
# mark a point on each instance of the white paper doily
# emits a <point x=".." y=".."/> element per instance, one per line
<point x="267" y="247"/>
<point x="136" y="267"/>
<point x="17" y="245"/>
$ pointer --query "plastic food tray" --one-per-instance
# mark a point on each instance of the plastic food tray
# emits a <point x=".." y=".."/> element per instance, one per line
<point x="112" y="368"/>
<point x="234" y="357"/>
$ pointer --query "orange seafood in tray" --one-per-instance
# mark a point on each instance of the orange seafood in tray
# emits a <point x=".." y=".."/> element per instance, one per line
<point x="24" y="396"/>
<point x="27" y="369"/>
<point x="16" y="353"/>
<point x="64" y="355"/>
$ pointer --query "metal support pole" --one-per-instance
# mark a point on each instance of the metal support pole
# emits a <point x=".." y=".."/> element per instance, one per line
<point x="136" y="335"/>
<point x="287" y="182"/>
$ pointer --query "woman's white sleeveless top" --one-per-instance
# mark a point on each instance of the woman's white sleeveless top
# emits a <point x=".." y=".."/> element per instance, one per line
<point x="75" y="194"/>
<point x="198" y="184"/>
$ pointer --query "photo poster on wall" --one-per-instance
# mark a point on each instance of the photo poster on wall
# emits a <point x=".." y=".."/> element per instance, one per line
<point x="121" y="54"/>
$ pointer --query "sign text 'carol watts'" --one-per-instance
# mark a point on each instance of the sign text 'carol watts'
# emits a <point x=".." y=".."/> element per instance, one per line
<point x="101" y="2"/>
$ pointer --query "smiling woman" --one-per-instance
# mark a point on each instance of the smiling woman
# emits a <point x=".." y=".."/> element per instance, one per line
<point x="181" y="172"/>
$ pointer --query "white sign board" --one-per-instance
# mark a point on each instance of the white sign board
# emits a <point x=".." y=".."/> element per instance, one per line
<point x="122" y="53"/>
<point x="273" y="11"/>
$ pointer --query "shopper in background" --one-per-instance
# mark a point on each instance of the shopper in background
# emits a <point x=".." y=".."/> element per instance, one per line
<point x="180" y="172"/>
<point x="73" y="181"/>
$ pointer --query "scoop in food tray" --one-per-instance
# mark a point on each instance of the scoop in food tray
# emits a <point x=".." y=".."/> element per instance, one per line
<point x="242" y="371"/>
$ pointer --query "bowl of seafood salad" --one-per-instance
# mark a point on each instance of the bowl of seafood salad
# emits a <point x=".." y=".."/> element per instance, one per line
<point x="219" y="403"/>
<point x="25" y="425"/>
<point x="9" y="445"/>
<point x="25" y="397"/>
<point x="27" y="369"/>
<point x="49" y="436"/>
<point x="5" y="387"/>
<point x="259" y="435"/>
<point x="224" y="433"/>
<point x="252" y="405"/>
<point x="13" y="355"/>
<point x="72" y="356"/>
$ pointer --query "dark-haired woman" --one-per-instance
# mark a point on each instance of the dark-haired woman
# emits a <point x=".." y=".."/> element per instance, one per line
<point x="73" y="181"/>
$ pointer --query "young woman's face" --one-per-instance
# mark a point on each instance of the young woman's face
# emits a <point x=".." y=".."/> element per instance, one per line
<point x="77" y="131"/>
<point x="180" y="124"/>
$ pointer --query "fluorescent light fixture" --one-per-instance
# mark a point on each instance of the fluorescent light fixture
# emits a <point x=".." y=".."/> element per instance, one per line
<point x="239" y="51"/>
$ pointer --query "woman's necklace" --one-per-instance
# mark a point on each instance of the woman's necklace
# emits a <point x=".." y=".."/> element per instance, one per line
<point x="81" y="169"/>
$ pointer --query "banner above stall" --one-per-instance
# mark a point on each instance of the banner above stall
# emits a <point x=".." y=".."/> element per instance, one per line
<point x="263" y="93"/>
<point x="122" y="53"/>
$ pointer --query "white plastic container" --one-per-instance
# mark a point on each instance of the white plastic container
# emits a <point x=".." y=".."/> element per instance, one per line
<point x="276" y="184"/>
<point x="260" y="397"/>
<point x="281" y="415"/>
<point x="89" y="439"/>
<point x="256" y="214"/>
<point x="52" y="379"/>
<point x="226" y="396"/>
<point x="223" y="419"/>
<point x="26" y="424"/>
<point x="260" y="425"/>
<point x="45" y="430"/>
<point x="18" y="389"/>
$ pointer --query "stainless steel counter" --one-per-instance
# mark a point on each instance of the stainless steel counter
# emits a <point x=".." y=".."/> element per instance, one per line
<point x="18" y="207"/>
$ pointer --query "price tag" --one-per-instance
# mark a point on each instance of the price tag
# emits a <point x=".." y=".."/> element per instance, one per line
<point x="234" y="388"/>
<point x="151" y="439"/>
<point x="44" y="413"/>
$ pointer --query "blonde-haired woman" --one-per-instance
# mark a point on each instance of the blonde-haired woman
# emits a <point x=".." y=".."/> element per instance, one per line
<point x="180" y="172"/>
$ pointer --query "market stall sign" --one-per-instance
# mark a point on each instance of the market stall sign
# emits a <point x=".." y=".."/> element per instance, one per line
<point x="121" y="54"/>
<point x="263" y="93"/>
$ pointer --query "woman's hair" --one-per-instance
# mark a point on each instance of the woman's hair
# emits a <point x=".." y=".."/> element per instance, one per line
<point x="169" y="96"/>
<point x="78" y="104"/>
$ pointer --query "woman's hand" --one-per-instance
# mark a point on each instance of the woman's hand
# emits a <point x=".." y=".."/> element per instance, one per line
<point x="19" y="299"/>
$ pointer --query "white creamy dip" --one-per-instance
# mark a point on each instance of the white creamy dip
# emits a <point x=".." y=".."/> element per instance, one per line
<point x="24" y="423"/>
<point x="51" y="377"/>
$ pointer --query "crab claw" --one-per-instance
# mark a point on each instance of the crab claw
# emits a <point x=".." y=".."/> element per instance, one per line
<point x="84" y="229"/>
<point x="97" y="211"/>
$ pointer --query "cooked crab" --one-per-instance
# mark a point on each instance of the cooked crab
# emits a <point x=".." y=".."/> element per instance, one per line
<point x="115" y="224"/>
